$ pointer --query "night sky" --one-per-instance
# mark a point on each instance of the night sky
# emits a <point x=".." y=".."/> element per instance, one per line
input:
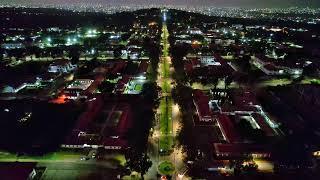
<point x="218" y="3"/>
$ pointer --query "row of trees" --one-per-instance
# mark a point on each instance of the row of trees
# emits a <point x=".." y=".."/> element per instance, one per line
<point x="137" y="161"/>
<point x="245" y="166"/>
<point x="152" y="48"/>
<point x="137" y="158"/>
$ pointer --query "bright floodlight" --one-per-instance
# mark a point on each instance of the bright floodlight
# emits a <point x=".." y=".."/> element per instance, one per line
<point x="164" y="16"/>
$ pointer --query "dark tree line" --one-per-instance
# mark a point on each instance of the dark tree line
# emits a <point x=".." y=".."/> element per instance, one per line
<point x="138" y="162"/>
<point x="152" y="48"/>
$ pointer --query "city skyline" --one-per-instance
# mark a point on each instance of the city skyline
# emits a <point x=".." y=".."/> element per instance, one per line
<point x="213" y="3"/>
<point x="145" y="91"/>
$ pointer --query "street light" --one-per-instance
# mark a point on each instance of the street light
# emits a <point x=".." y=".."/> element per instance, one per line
<point x="163" y="177"/>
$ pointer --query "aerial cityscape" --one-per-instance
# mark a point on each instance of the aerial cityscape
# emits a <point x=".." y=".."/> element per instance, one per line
<point x="159" y="90"/>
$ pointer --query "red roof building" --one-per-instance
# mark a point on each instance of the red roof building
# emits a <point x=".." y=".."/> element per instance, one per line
<point x="143" y="67"/>
<point x="230" y="151"/>
<point x="201" y="102"/>
<point x="226" y="126"/>
<point x="263" y="125"/>
<point x="207" y="66"/>
<point x="117" y="67"/>
<point x="101" y="125"/>
<point x="190" y="64"/>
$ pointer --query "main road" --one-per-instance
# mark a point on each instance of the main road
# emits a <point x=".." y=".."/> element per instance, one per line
<point x="162" y="142"/>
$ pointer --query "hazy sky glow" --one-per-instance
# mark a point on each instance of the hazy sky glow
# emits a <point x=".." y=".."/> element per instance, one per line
<point x="218" y="3"/>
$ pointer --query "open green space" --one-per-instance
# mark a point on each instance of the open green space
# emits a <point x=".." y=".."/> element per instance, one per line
<point x="138" y="87"/>
<point x="166" y="168"/>
<point x="315" y="81"/>
<point x="166" y="88"/>
<point x="134" y="87"/>
<point x="59" y="155"/>
<point x="165" y="117"/>
<point x="165" y="140"/>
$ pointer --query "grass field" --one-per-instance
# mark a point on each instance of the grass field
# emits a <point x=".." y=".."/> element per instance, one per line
<point x="166" y="168"/>
<point x="59" y="155"/>
<point x="166" y="113"/>
<point x="166" y="140"/>
<point x="134" y="87"/>
<point x="138" y="87"/>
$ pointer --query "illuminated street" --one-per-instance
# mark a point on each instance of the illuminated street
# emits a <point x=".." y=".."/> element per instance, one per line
<point x="168" y="116"/>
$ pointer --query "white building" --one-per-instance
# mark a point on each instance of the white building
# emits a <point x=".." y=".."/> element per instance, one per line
<point x="271" y="69"/>
<point x="194" y="31"/>
<point x="77" y="88"/>
<point x="61" y="66"/>
<point x="267" y="67"/>
<point x="80" y="84"/>
<point x="12" y="46"/>
<point x="16" y="87"/>
<point x="209" y="61"/>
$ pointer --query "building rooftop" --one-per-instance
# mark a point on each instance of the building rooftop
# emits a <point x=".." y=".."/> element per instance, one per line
<point x="60" y="62"/>
<point x="143" y="67"/>
<point x="201" y="101"/>
<point x="102" y="123"/>
<point x="80" y="84"/>
<point x="241" y="149"/>
<point x="263" y="124"/>
<point x="228" y="130"/>
<point x="243" y="97"/>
